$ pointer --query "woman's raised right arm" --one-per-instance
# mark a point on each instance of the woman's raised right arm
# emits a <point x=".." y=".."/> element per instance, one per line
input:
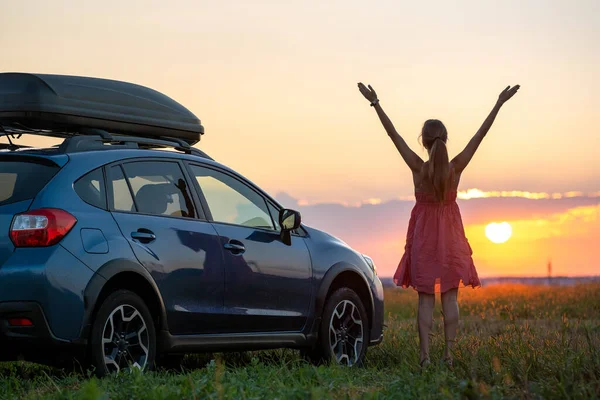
<point x="461" y="161"/>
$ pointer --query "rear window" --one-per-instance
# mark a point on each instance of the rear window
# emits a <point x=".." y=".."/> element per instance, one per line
<point x="22" y="180"/>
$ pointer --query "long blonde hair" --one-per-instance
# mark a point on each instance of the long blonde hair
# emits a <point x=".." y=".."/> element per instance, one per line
<point x="434" y="137"/>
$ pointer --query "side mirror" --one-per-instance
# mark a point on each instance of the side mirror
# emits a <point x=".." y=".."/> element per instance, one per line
<point x="289" y="220"/>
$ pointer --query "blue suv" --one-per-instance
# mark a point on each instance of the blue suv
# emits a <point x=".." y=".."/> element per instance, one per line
<point x="128" y="246"/>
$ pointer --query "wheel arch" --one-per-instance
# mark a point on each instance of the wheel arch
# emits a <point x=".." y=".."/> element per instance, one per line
<point x="344" y="275"/>
<point x="122" y="274"/>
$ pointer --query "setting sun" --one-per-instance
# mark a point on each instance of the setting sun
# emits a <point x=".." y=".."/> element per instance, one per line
<point x="498" y="232"/>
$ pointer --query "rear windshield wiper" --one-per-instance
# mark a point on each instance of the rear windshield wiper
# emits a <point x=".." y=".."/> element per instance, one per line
<point x="10" y="145"/>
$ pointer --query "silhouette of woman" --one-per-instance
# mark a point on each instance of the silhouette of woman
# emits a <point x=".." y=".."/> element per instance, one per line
<point x="437" y="255"/>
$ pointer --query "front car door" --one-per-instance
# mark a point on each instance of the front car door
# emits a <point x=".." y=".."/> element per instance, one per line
<point x="267" y="283"/>
<point x="155" y="208"/>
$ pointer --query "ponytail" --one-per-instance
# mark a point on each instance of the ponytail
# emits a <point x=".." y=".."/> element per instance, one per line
<point x="439" y="168"/>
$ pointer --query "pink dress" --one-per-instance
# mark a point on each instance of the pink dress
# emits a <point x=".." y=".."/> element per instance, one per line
<point x="437" y="255"/>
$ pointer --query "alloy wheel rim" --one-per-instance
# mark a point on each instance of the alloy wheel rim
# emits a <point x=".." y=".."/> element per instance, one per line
<point x="346" y="333"/>
<point x="125" y="340"/>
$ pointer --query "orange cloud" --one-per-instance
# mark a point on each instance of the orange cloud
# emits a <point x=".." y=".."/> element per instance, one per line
<point x="479" y="194"/>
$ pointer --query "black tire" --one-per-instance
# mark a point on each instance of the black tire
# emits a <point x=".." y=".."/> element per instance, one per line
<point x="126" y="313"/>
<point x="353" y="351"/>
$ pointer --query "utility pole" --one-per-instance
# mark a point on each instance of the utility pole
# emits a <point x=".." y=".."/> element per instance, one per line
<point x="549" y="271"/>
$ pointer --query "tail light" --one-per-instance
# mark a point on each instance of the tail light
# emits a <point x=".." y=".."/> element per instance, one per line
<point x="20" y="322"/>
<point x="41" y="228"/>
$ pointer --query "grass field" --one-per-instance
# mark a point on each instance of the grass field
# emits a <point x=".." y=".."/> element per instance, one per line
<point x="514" y="342"/>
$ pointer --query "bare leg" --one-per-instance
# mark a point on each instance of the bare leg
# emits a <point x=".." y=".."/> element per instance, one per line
<point x="450" y="311"/>
<point x="425" y="321"/>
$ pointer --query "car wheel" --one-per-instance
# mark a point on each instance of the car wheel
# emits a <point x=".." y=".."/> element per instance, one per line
<point x="344" y="331"/>
<point x="123" y="335"/>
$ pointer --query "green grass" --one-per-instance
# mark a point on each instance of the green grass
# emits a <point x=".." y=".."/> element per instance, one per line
<point x="514" y="342"/>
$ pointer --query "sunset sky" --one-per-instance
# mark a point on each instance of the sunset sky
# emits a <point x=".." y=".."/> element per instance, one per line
<point x="274" y="83"/>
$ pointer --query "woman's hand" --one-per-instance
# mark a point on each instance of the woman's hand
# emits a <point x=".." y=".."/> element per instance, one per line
<point x="507" y="94"/>
<point x="369" y="92"/>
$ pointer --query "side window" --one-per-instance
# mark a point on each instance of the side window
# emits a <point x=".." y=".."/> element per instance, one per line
<point x="230" y="201"/>
<point x="90" y="188"/>
<point x="159" y="188"/>
<point x="121" y="198"/>
<point x="275" y="215"/>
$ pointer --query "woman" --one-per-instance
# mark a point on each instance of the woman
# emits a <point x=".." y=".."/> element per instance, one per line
<point x="437" y="253"/>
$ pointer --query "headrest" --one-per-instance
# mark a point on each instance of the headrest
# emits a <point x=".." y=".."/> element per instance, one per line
<point x="154" y="198"/>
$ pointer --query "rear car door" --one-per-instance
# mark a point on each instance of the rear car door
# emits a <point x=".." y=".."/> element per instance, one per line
<point x="155" y="209"/>
<point x="267" y="283"/>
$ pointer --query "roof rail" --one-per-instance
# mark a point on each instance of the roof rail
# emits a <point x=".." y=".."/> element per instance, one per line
<point x="89" y="139"/>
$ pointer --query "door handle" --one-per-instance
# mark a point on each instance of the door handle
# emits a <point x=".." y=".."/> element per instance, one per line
<point x="143" y="236"/>
<point x="235" y="247"/>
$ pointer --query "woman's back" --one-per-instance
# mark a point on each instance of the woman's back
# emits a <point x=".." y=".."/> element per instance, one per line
<point x="424" y="184"/>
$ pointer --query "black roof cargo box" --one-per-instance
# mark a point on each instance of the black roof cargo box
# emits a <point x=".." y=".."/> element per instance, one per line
<point x="52" y="102"/>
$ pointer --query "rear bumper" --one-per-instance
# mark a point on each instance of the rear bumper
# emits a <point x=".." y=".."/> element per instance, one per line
<point x="48" y="279"/>
<point x="39" y="331"/>
<point x="36" y="341"/>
